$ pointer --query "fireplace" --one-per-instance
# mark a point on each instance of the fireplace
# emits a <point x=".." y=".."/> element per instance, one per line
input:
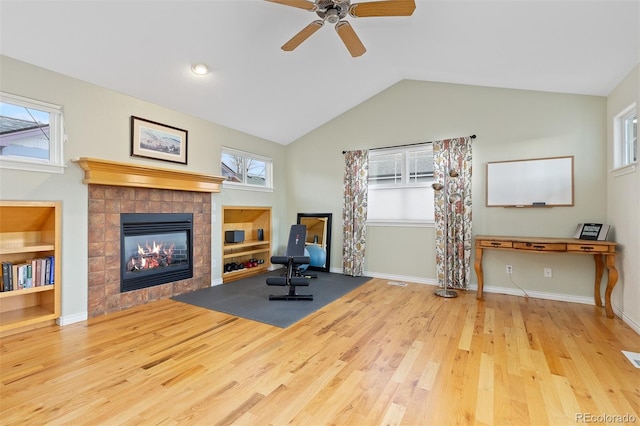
<point x="156" y="248"/>
<point x="118" y="188"/>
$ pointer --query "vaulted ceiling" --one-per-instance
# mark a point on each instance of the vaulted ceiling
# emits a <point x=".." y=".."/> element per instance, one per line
<point x="145" y="48"/>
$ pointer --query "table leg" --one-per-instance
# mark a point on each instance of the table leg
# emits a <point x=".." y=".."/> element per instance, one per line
<point x="611" y="283"/>
<point x="478" y="267"/>
<point x="599" y="270"/>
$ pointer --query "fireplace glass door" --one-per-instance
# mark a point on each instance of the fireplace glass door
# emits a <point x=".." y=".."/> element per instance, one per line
<point x="156" y="249"/>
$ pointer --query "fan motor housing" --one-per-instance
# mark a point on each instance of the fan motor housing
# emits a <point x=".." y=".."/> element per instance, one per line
<point x="332" y="11"/>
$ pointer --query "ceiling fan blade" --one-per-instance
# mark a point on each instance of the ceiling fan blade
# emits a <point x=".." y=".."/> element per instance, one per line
<point x="383" y="8"/>
<point x="350" y="39"/>
<point x="304" y="34"/>
<point x="302" y="4"/>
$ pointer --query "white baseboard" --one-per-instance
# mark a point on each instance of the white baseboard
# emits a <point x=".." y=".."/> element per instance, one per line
<point x="71" y="319"/>
<point x="585" y="300"/>
<point x="490" y="289"/>
<point x="394" y="277"/>
<point x="630" y="322"/>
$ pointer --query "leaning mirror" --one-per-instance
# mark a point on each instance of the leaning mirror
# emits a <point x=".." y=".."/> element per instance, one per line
<point x="318" y="239"/>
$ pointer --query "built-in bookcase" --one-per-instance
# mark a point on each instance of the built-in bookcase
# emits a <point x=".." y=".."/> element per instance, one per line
<point x="30" y="230"/>
<point x="255" y="222"/>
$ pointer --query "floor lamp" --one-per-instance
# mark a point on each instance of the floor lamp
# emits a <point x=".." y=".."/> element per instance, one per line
<point x="449" y="199"/>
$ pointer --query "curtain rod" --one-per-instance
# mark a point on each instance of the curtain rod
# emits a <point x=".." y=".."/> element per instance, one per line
<point x="400" y="146"/>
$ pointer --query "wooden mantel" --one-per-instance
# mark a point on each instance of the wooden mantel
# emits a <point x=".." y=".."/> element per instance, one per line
<point x="102" y="172"/>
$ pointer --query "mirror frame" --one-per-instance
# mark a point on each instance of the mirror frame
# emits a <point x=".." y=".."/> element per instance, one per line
<point x="328" y="217"/>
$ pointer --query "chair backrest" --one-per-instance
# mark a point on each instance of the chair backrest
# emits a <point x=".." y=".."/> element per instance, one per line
<point x="297" y="239"/>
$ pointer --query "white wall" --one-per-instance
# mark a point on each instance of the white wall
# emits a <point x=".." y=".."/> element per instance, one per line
<point x="97" y="125"/>
<point x="509" y="124"/>
<point x="623" y="207"/>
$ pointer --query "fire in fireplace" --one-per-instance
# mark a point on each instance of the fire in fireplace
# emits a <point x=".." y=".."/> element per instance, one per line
<point x="156" y="248"/>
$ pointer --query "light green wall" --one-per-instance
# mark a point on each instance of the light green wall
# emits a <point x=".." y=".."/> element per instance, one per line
<point x="623" y="207"/>
<point x="509" y="124"/>
<point x="97" y="125"/>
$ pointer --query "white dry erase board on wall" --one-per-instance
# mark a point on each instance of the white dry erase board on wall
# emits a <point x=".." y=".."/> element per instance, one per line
<point x="539" y="182"/>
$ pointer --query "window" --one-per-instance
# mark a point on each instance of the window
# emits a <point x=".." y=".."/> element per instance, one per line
<point x="246" y="170"/>
<point x="400" y="185"/>
<point x="626" y="137"/>
<point x="31" y="134"/>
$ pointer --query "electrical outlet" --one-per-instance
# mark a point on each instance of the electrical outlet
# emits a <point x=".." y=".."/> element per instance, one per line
<point x="548" y="272"/>
<point x="509" y="269"/>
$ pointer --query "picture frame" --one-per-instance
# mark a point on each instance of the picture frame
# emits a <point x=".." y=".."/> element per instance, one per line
<point x="150" y="139"/>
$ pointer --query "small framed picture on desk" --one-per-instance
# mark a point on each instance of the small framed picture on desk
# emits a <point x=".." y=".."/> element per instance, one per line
<point x="592" y="231"/>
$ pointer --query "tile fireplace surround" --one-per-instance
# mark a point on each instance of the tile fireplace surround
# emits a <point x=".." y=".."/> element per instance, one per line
<point x="141" y="195"/>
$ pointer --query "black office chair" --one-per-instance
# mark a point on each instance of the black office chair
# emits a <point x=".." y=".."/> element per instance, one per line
<point x="293" y="258"/>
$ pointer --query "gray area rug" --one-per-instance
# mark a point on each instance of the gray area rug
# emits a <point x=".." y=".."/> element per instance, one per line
<point x="249" y="297"/>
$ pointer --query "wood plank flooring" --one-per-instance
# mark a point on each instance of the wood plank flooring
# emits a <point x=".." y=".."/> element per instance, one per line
<point x="382" y="354"/>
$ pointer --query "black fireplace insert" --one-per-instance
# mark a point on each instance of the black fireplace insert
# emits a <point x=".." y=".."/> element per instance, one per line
<point x="156" y="248"/>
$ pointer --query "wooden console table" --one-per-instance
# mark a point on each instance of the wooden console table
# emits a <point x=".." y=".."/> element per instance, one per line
<point x="598" y="249"/>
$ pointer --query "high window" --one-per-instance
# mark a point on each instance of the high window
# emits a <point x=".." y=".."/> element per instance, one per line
<point x="626" y="137"/>
<point x="245" y="170"/>
<point x="31" y="134"/>
<point x="400" y="189"/>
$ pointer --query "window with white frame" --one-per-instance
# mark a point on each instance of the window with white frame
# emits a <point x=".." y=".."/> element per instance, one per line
<point x="626" y="137"/>
<point x="31" y="134"/>
<point x="246" y="170"/>
<point x="400" y="181"/>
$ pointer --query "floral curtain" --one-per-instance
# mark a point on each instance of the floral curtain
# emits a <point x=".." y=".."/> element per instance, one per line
<point x="452" y="169"/>
<point x="354" y="212"/>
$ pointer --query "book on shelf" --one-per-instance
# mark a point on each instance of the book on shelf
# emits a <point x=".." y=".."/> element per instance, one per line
<point x="28" y="280"/>
<point x="7" y="276"/>
<point x="43" y="271"/>
<point x="32" y="273"/>
<point x="21" y="277"/>
<point x="15" y="284"/>
<point x="47" y="274"/>
<point x="20" y="274"/>
<point x="52" y="271"/>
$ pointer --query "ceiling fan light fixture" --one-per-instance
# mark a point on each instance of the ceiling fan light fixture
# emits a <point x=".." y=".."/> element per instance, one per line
<point x="200" y="69"/>
<point x="334" y="12"/>
<point x="332" y="16"/>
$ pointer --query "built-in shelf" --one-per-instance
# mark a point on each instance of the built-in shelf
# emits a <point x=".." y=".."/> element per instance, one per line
<point x="102" y="172"/>
<point x="249" y="220"/>
<point x="14" y="293"/>
<point x="30" y="230"/>
<point x="26" y="248"/>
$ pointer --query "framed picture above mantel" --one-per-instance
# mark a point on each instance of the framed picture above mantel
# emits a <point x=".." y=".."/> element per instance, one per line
<point x="150" y="139"/>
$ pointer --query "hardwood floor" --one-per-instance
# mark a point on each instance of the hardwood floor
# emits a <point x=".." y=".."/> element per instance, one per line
<point x="382" y="354"/>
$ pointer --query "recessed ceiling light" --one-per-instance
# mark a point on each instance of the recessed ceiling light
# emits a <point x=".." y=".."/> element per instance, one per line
<point x="200" y="69"/>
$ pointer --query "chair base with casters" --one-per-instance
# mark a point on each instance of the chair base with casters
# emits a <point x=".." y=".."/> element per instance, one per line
<point x="293" y="258"/>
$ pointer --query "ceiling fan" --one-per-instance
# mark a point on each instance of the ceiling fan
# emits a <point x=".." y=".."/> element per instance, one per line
<point x="334" y="11"/>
